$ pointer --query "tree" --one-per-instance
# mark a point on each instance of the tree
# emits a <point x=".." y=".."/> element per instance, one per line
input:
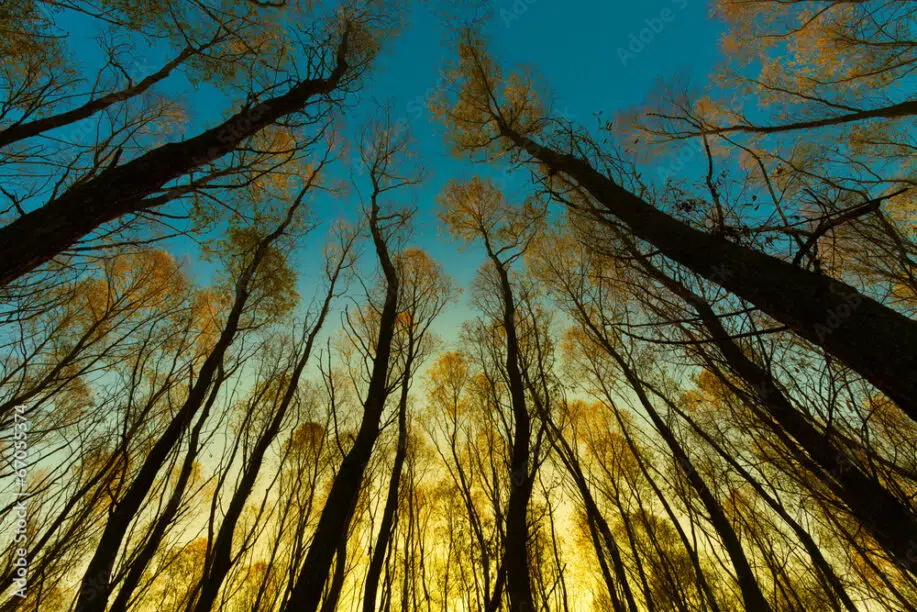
<point x="143" y="183"/>
<point x="840" y="51"/>
<point x="880" y="511"/>
<point x="96" y="586"/>
<point x="219" y="560"/>
<point x="381" y="150"/>
<point x="588" y="311"/>
<point x="425" y="291"/>
<point x="476" y="210"/>
<point x="495" y="114"/>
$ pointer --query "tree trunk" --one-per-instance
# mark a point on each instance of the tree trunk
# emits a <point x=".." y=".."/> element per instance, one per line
<point x="342" y="499"/>
<point x="874" y="340"/>
<point x="494" y="604"/>
<point x="40" y="235"/>
<point x="216" y="573"/>
<point x="95" y="586"/>
<point x="703" y="586"/>
<point x="518" y="581"/>
<point x="165" y="518"/>
<point x="751" y="592"/>
<point x="885" y="517"/>
<point x="337" y="581"/>
<point x="818" y="559"/>
<point x="391" y="500"/>
<point x="598" y="527"/>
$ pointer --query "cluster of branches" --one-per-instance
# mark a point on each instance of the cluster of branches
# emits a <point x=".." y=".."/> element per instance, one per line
<point x="666" y="401"/>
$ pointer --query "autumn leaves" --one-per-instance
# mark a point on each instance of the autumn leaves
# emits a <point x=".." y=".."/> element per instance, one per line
<point x="673" y="392"/>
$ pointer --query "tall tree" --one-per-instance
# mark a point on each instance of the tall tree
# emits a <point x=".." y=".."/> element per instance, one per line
<point x="254" y="250"/>
<point x="478" y="211"/>
<point x="219" y="560"/>
<point x="425" y="291"/>
<point x="334" y="66"/>
<point x="492" y="114"/>
<point x="382" y="150"/>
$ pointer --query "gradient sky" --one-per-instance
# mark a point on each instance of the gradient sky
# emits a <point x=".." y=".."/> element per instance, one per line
<point x="594" y="55"/>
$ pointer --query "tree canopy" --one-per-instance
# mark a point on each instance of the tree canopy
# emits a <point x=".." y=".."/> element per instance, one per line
<point x="337" y="306"/>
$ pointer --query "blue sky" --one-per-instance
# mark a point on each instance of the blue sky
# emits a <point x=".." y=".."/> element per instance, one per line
<point x="575" y="48"/>
<point x="594" y="56"/>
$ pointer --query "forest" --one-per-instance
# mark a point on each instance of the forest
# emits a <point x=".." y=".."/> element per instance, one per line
<point x="474" y="305"/>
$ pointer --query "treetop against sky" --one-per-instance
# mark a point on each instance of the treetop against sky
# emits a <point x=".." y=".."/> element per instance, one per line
<point x="593" y="65"/>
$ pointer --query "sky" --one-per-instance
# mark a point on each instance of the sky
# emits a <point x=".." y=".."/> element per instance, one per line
<point x="593" y="55"/>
